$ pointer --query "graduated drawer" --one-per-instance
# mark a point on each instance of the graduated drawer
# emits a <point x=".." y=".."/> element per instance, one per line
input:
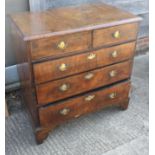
<point x="60" y="45"/>
<point x="54" y="69"/>
<point x="115" y="35"/>
<point x="67" y="87"/>
<point x="75" y="107"/>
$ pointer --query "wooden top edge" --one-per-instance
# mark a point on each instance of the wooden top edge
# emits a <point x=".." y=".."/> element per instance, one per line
<point x="87" y="28"/>
<point x="28" y="22"/>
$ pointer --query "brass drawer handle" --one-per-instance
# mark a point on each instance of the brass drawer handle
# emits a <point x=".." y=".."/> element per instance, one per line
<point x="89" y="76"/>
<point x="114" y="54"/>
<point x="89" y="98"/>
<point x="64" y="111"/>
<point x="63" y="67"/>
<point x="61" y="45"/>
<point x="64" y="87"/>
<point x="112" y="95"/>
<point x="116" y="34"/>
<point x="113" y="73"/>
<point x="91" y="56"/>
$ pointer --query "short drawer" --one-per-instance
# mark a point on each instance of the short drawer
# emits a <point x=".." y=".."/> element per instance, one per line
<point x="54" y="69"/>
<point x="75" y="107"/>
<point x="60" y="45"/>
<point x="67" y="87"/>
<point x="115" y="35"/>
<point x="106" y="56"/>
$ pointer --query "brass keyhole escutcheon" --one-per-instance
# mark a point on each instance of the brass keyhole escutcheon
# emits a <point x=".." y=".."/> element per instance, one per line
<point x="89" y="98"/>
<point x="114" y="54"/>
<point x="116" y="34"/>
<point x="112" y="95"/>
<point x="62" y="45"/>
<point x="91" y="56"/>
<point x="113" y="73"/>
<point x="89" y="76"/>
<point x="64" y="87"/>
<point x="64" y="111"/>
<point x="63" y="67"/>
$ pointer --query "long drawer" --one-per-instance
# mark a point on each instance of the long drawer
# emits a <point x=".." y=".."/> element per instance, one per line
<point x="72" y="108"/>
<point x="54" y="69"/>
<point x="60" y="89"/>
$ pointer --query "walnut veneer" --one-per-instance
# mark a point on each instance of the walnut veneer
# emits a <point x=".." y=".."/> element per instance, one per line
<point x="73" y="60"/>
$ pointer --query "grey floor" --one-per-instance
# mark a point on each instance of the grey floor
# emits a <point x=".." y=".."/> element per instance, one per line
<point x="107" y="132"/>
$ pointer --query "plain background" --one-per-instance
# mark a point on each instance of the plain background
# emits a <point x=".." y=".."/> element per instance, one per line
<point x="12" y="6"/>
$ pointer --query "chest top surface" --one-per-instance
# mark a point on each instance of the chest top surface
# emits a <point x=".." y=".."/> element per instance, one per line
<point x="58" y="21"/>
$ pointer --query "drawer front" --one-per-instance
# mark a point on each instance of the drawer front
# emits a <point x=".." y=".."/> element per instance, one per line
<point x="115" y="54"/>
<point x="72" y="108"/>
<point x="114" y="35"/>
<point x="51" y="70"/>
<point x="60" y="45"/>
<point x="77" y="84"/>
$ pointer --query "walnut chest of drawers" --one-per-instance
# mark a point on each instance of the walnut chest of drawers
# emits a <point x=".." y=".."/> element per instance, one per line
<point x="73" y="60"/>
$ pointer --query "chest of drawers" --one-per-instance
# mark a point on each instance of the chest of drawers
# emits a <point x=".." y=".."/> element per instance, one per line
<point x="73" y="60"/>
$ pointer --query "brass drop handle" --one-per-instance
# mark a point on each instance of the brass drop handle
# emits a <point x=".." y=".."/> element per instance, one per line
<point x="114" y="54"/>
<point x="116" y="34"/>
<point x="89" y="76"/>
<point x="113" y="73"/>
<point x="62" y="45"/>
<point x="91" y="56"/>
<point x="64" y="87"/>
<point x="64" y="111"/>
<point x="89" y="98"/>
<point x="63" y="67"/>
<point x="112" y="95"/>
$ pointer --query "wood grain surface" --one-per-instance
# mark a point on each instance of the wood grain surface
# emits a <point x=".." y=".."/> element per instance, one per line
<point x="51" y="70"/>
<point x="78" y="106"/>
<point x="103" y="37"/>
<point x="48" y="47"/>
<point x="50" y="92"/>
<point x="67" y="55"/>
